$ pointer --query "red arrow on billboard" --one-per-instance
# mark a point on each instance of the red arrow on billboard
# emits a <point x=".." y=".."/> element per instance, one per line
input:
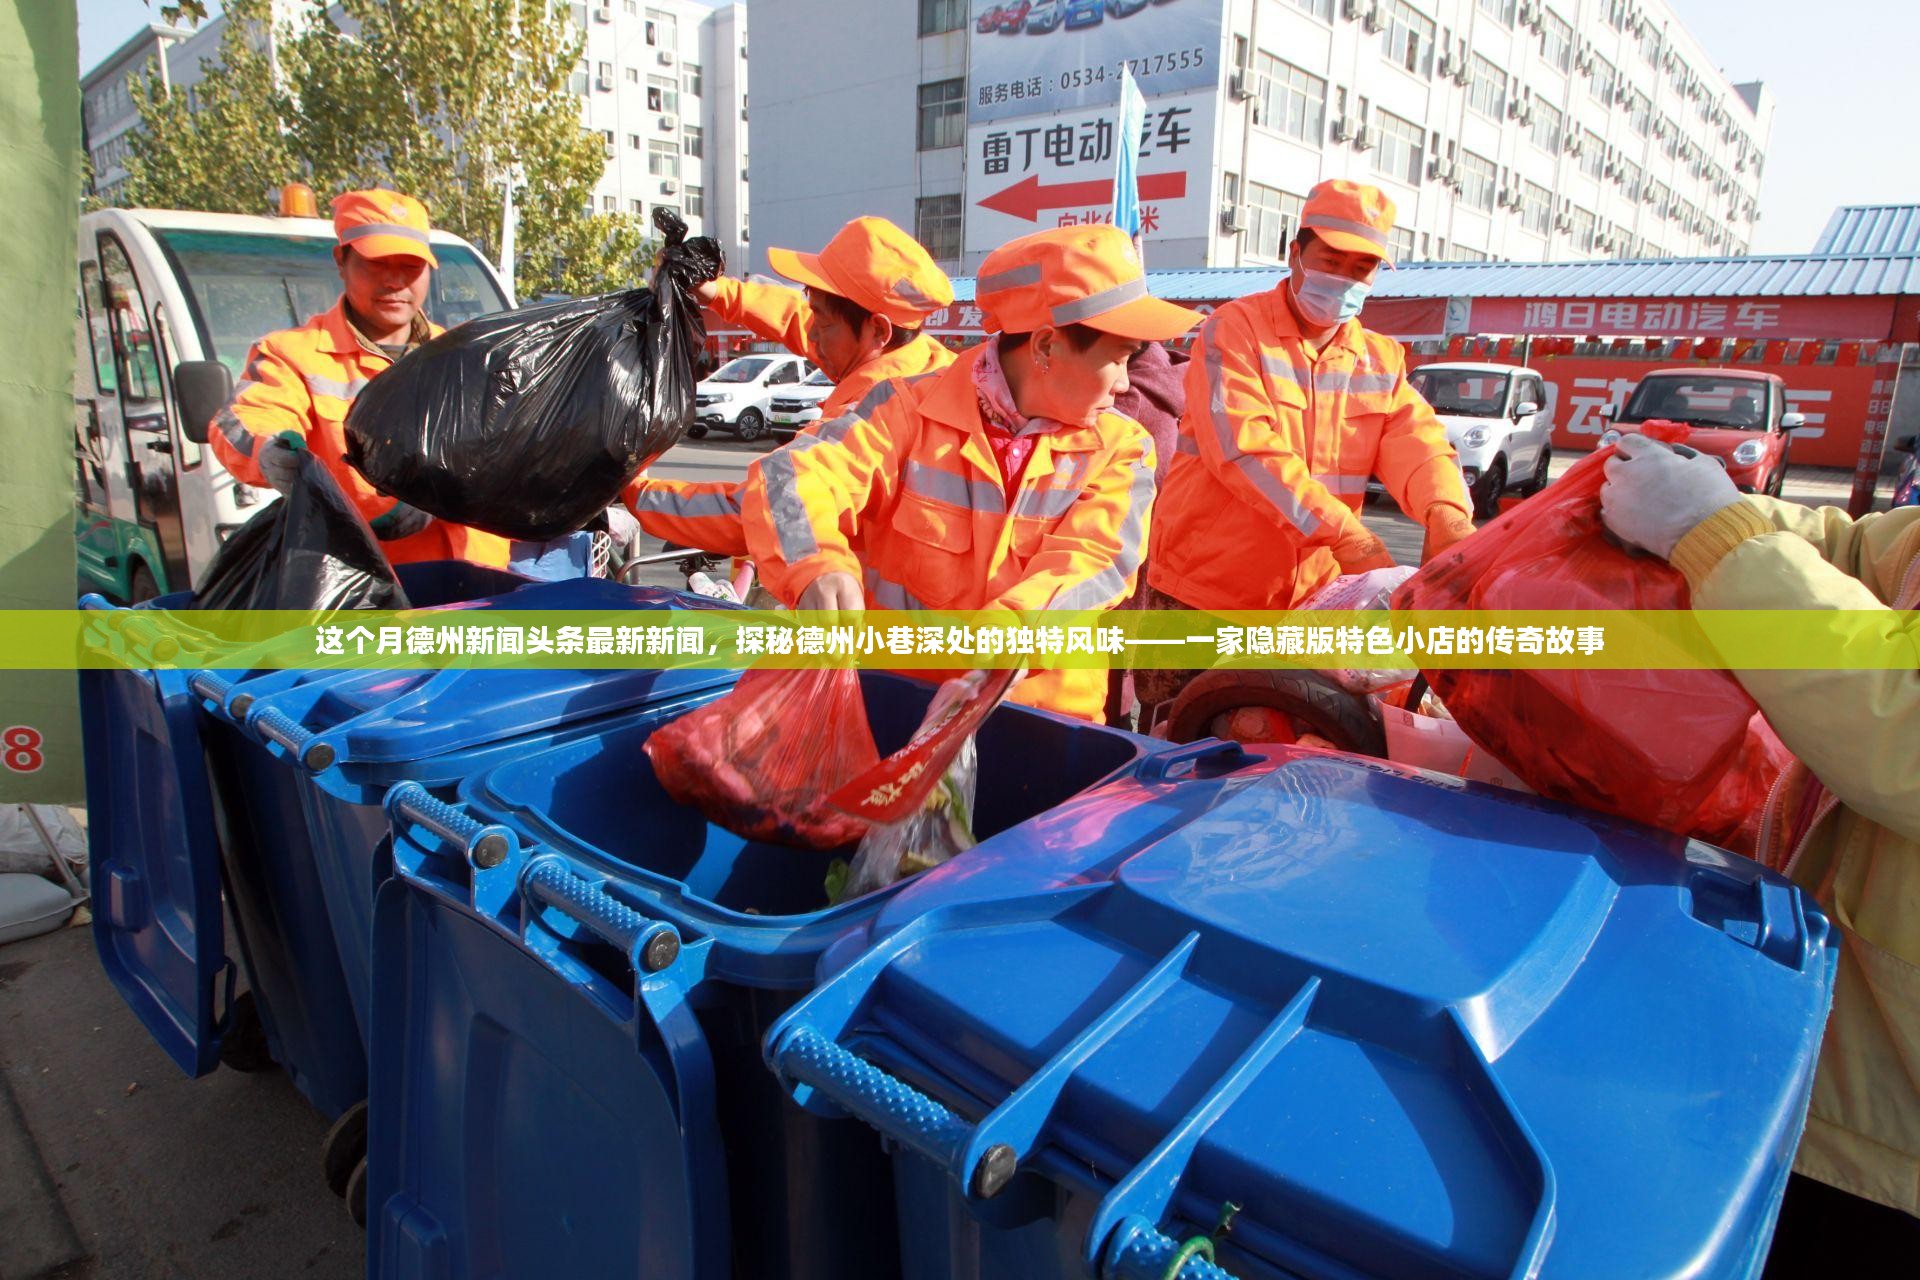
<point x="1026" y="198"/>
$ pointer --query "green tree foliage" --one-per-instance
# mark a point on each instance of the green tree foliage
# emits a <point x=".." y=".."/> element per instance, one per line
<point x="442" y="99"/>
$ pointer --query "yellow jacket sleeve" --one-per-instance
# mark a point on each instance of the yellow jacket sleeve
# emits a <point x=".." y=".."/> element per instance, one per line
<point x="704" y="514"/>
<point x="1415" y="460"/>
<point x="1857" y="729"/>
<point x="1244" y="438"/>
<point x="270" y="398"/>
<point x="1092" y="557"/>
<point x="801" y="501"/>
<point x="772" y="311"/>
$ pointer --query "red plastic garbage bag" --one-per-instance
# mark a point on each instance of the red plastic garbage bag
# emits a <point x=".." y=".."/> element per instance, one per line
<point x="762" y="760"/>
<point x="1686" y="751"/>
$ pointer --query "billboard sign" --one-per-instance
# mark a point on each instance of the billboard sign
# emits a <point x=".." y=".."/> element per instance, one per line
<point x="1038" y="57"/>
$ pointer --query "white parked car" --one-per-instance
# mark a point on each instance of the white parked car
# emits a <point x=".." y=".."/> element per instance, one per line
<point x="795" y="407"/>
<point x="1500" y="422"/>
<point x="736" y="398"/>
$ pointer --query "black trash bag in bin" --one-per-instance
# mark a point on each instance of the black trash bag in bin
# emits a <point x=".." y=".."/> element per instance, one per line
<point x="311" y="550"/>
<point x="529" y="423"/>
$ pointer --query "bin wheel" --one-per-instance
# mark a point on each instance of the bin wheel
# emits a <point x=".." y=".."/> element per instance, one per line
<point x="1307" y="703"/>
<point x="344" y="1147"/>
<point x="244" y="1047"/>
<point x="357" y="1194"/>
<point x="696" y="432"/>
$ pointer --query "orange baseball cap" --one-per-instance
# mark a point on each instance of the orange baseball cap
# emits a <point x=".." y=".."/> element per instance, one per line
<point x="875" y="265"/>
<point x="384" y="224"/>
<point x="1351" y="217"/>
<point x="1086" y="275"/>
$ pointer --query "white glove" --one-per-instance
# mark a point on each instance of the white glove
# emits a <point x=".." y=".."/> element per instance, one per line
<point x="279" y="463"/>
<point x="1654" y="497"/>
<point x="624" y="531"/>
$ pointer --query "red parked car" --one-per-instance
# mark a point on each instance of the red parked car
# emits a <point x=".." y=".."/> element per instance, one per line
<point x="988" y="21"/>
<point x="1013" y="17"/>
<point x="1738" y="416"/>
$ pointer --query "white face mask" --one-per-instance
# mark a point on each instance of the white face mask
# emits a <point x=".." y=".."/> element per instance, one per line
<point x="1328" y="299"/>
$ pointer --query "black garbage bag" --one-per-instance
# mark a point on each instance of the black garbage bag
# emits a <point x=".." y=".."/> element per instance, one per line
<point x="311" y="550"/>
<point x="528" y="423"/>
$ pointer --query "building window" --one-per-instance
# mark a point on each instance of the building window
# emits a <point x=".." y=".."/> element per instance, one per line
<point x="1408" y="39"/>
<point x="633" y="75"/>
<point x="1477" y="182"/>
<point x="608" y="204"/>
<point x="1501" y="11"/>
<point x="1640" y="113"/>
<point x="690" y="79"/>
<point x="1650" y="43"/>
<point x="1631" y="176"/>
<point x="1583" y="228"/>
<point x="1321" y="9"/>
<point x="663" y="95"/>
<point x="1593" y="155"/>
<point x="1402" y="150"/>
<point x="1536" y="208"/>
<point x="692" y="141"/>
<point x="1549" y="127"/>
<point x="605" y="79"/>
<point x="1463" y="254"/>
<point x="1487" y="92"/>
<point x="1556" y="42"/>
<point x="633" y="141"/>
<point x="636" y="208"/>
<point x="1291" y="101"/>
<point x="696" y="202"/>
<point x="663" y="29"/>
<point x="633" y="9"/>
<point x="663" y="159"/>
<point x="943" y="114"/>
<point x="1602" y="82"/>
<point x="937" y="16"/>
<point x="607" y="135"/>
<point x="1400" y="244"/>
<point x="1272" y="218"/>
<point x="936" y="225"/>
<point x="1659" y="195"/>
<point x="1680" y="77"/>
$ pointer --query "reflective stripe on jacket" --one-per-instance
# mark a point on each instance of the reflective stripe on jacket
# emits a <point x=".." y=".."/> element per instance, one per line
<point x="706" y="513"/>
<point x="302" y="380"/>
<point x="1857" y="732"/>
<point x="910" y="500"/>
<point x="1277" y="445"/>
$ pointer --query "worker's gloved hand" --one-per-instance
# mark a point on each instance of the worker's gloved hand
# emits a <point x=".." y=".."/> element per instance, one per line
<point x="623" y="531"/>
<point x="1361" y="551"/>
<point x="832" y="593"/>
<point x="279" y="462"/>
<point x="1654" y="496"/>
<point x="401" y="522"/>
<point x="1445" y="526"/>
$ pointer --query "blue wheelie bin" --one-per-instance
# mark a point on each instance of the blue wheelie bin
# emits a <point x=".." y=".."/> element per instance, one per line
<point x="1347" y="1021"/>
<point x="577" y="972"/>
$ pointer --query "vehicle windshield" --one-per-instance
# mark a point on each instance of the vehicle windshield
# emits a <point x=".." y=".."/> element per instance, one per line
<point x="1465" y="392"/>
<point x="1737" y="403"/>
<point x="743" y="370"/>
<point x="246" y="285"/>
<point x="819" y="379"/>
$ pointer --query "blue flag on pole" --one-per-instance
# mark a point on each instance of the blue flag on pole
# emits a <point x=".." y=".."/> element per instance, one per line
<point x="1126" y="150"/>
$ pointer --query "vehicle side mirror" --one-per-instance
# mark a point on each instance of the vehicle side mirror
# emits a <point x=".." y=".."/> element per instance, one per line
<point x="1609" y="410"/>
<point x="1907" y="445"/>
<point x="1792" y="421"/>
<point x="201" y="388"/>
<point x="1525" y="409"/>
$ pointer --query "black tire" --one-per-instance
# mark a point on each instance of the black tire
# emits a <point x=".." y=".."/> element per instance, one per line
<point x="1486" y="494"/>
<point x="1538" y="480"/>
<point x="1779" y="481"/>
<point x="344" y="1148"/>
<point x="1314" y="703"/>
<point x="141" y="587"/>
<point x="357" y="1195"/>
<point x="750" y="427"/>
<point x="696" y="432"/>
<point x="244" y="1047"/>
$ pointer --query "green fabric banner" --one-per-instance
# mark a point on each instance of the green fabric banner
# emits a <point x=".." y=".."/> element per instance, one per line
<point x="40" y="173"/>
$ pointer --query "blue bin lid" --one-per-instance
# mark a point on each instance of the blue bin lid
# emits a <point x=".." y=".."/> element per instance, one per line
<point x="383" y="717"/>
<point x="1408" y="1026"/>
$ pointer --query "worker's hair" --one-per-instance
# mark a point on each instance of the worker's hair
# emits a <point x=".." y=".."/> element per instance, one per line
<point x="1078" y="336"/>
<point x="1302" y="238"/>
<point x="855" y="316"/>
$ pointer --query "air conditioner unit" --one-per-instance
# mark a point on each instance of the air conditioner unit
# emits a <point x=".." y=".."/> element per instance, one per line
<point x="603" y="83"/>
<point x="668" y="186"/>
<point x="666" y="58"/>
<point x="1239" y="87"/>
<point x="1562" y="223"/>
<point x="1445" y="67"/>
<point x="1437" y="168"/>
<point x="1354" y="10"/>
<point x="1574" y="145"/>
<point x="1365" y="138"/>
<point x="1233" y="219"/>
<point x="668" y="124"/>
<point x="1375" y="20"/>
<point x="603" y="14"/>
<point x="1463" y="72"/>
<point x="1342" y="129"/>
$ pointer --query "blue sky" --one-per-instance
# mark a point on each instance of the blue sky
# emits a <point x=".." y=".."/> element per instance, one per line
<point x="1846" y="132"/>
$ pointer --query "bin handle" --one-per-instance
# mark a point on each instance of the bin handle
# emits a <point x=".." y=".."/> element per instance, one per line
<point x="1139" y="1251"/>
<point x="1231" y="755"/>
<point x="277" y="726"/>
<point x="486" y="846"/>
<point x="651" y="945"/>
<point x="213" y="688"/>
